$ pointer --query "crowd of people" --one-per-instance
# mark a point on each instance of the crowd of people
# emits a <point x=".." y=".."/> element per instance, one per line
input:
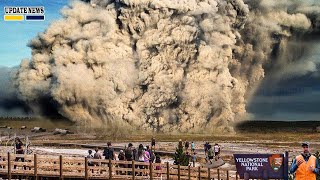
<point x="141" y="153"/>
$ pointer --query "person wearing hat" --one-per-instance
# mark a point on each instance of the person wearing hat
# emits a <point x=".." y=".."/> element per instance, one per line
<point x="121" y="157"/>
<point x="305" y="165"/>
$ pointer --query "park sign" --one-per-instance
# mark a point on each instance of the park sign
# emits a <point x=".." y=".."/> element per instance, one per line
<point x="262" y="166"/>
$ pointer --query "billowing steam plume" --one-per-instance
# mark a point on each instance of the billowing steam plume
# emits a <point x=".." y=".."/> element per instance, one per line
<point x="163" y="65"/>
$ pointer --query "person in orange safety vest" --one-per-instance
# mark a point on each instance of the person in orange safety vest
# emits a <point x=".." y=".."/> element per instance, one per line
<point x="305" y="165"/>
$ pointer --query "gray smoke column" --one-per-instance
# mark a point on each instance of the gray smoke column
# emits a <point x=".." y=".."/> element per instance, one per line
<point x="161" y="65"/>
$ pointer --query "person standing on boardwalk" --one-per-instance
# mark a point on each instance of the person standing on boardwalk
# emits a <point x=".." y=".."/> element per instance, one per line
<point x="129" y="152"/>
<point x="151" y="154"/>
<point x="153" y="143"/>
<point x="108" y="152"/>
<point x="121" y="157"/>
<point x="147" y="155"/>
<point x="305" y="165"/>
<point x="19" y="150"/>
<point x="90" y="157"/>
<point x="129" y="155"/>
<point x="97" y="155"/>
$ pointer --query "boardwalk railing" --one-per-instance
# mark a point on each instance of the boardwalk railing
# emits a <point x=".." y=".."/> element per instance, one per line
<point x="84" y="168"/>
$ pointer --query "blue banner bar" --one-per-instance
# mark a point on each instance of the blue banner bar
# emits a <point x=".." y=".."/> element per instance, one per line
<point x="34" y="18"/>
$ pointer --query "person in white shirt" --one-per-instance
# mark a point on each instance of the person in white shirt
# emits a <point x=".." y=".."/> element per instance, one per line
<point x="216" y="148"/>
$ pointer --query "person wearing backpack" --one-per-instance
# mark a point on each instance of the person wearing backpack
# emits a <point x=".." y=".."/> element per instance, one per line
<point x="129" y="155"/>
<point x="108" y="152"/>
<point x="129" y="152"/>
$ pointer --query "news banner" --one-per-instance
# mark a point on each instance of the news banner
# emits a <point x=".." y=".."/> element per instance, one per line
<point x="24" y="13"/>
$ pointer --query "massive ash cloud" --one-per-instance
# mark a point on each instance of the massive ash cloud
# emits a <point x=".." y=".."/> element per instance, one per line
<point x="162" y="65"/>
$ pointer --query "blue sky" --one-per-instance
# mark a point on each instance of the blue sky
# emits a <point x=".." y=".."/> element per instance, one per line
<point x="15" y="35"/>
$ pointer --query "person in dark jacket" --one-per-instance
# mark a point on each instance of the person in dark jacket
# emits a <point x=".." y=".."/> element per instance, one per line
<point x="108" y="152"/>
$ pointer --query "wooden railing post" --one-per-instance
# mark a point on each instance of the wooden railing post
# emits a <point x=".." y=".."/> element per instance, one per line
<point x="178" y="171"/>
<point x="189" y="173"/>
<point x="168" y="171"/>
<point x="227" y="175"/>
<point x="61" y="169"/>
<point x="218" y="171"/>
<point x="9" y="166"/>
<point x="86" y="175"/>
<point x="151" y="171"/>
<point x="133" y="171"/>
<point x="236" y="175"/>
<point x="199" y="173"/>
<point x="110" y="169"/>
<point x="35" y="168"/>
<point x="209" y="175"/>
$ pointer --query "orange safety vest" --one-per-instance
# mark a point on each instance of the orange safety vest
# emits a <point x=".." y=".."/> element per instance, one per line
<point x="303" y="172"/>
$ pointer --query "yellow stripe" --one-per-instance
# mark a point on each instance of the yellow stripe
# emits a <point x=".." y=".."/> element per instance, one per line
<point x="13" y="17"/>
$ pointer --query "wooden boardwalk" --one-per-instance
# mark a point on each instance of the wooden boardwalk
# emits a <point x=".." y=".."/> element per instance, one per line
<point x="36" y="166"/>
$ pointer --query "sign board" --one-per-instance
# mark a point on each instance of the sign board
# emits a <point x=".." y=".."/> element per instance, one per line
<point x="262" y="166"/>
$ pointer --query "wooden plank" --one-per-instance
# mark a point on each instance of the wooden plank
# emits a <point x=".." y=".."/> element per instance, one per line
<point x="189" y="173"/>
<point x="199" y="173"/>
<point x="179" y="172"/>
<point x="227" y="175"/>
<point x="133" y="171"/>
<point x="209" y="176"/>
<point x="151" y="171"/>
<point x="86" y="175"/>
<point x="168" y="171"/>
<point x="35" y="167"/>
<point x="98" y="168"/>
<point x="110" y="169"/>
<point x="218" y="171"/>
<point x="61" y="169"/>
<point x="19" y="164"/>
<point x="9" y="166"/>
<point x="22" y="172"/>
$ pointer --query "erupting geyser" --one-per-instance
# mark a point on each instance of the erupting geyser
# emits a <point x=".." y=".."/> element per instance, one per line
<point x="161" y="65"/>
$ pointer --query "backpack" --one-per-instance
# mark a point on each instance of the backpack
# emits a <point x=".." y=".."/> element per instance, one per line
<point x="210" y="152"/>
<point x="108" y="153"/>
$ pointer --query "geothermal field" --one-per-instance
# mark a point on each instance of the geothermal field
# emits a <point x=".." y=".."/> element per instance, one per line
<point x="271" y="139"/>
